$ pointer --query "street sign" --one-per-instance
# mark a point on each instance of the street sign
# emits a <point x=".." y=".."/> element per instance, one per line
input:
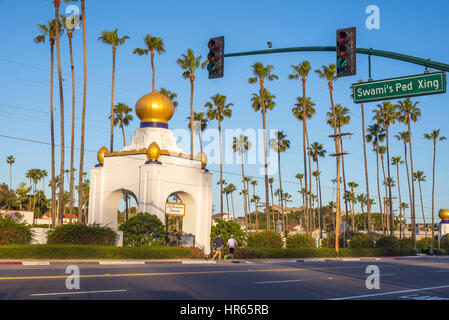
<point x="175" y="209"/>
<point x="395" y="88"/>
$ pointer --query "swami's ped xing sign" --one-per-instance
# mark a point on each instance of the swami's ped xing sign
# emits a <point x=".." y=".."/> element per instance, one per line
<point x="418" y="85"/>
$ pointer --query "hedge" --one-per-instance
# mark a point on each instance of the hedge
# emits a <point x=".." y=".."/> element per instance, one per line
<point x="79" y="233"/>
<point x="14" y="232"/>
<point x="48" y="251"/>
<point x="263" y="253"/>
<point x="301" y="241"/>
<point x="376" y="252"/>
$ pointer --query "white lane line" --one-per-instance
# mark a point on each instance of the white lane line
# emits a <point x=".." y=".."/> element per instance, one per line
<point x="280" y="281"/>
<point x="391" y="292"/>
<point x="35" y="263"/>
<point x="386" y="274"/>
<point x="442" y="271"/>
<point x="121" y="262"/>
<point x="75" y="292"/>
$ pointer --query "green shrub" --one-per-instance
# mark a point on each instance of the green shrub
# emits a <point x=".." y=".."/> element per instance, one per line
<point x="13" y="232"/>
<point x="266" y="239"/>
<point x="376" y="252"/>
<point x="439" y="252"/>
<point x="264" y="253"/>
<point x="143" y="229"/>
<point x="52" y="251"/>
<point x="301" y="241"/>
<point x="406" y="243"/>
<point x="329" y="241"/>
<point x="424" y="243"/>
<point x="361" y="241"/>
<point x="225" y="229"/>
<point x="78" y="233"/>
<point x="387" y="242"/>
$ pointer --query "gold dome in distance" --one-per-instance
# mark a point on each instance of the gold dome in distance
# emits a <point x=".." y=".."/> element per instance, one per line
<point x="155" y="107"/>
<point x="100" y="154"/>
<point x="444" y="214"/>
<point x="153" y="151"/>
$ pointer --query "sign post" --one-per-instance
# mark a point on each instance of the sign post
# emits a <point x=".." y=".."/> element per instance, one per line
<point x="395" y="88"/>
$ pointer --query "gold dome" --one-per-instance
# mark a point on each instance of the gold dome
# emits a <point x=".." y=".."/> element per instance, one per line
<point x="155" y="107"/>
<point x="100" y="154"/>
<point x="444" y="214"/>
<point x="153" y="151"/>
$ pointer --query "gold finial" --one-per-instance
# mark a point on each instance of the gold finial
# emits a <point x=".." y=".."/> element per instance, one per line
<point x="153" y="151"/>
<point x="444" y="214"/>
<point x="100" y="154"/>
<point x="203" y="158"/>
<point x="155" y="107"/>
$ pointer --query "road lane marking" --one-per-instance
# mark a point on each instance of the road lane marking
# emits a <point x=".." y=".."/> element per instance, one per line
<point x="279" y="281"/>
<point x="442" y="271"/>
<point x="391" y="292"/>
<point x="74" y="292"/>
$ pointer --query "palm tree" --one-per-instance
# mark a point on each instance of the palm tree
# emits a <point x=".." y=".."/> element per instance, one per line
<point x="342" y="119"/>
<point x="409" y="111"/>
<point x="433" y="136"/>
<point x="111" y="38"/>
<point x="302" y="71"/>
<point x="50" y="30"/>
<point x="200" y="122"/>
<point x="353" y="185"/>
<point x="382" y="151"/>
<point x="420" y="177"/>
<point x="270" y="182"/>
<point x="256" y="200"/>
<point x="280" y="144"/>
<point x="328" y="73"/>
<point x="385" y="115"/>
<point x="362" y="199"/>
<point x="317" y="151"/>
<point x="81" y="191"/>
<point x="189" y="63"/>
<point x="171" y="95"/>
<point x="10" y="160"/>
<point x="151" y="44"/>
<point x="231" y="189"/>
<point x="300" y="176"/>
<point x="218" y="109"/>
<point x="404" y="206"/>
<point x="317" y="174"/>
<point x="404" y="137"/>
<point x="241" y="145"/>
<point x="70" y="27"/>
<point x="396" y="161"/>
<point x="122" y="117"/>
<point x="261" y="74"/>
<point x="376" y="134"/>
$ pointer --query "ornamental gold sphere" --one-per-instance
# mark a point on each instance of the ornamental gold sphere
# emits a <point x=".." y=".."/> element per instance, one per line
<point x="155" y="107"/>
<point x="203" y="158"/>
<point x="100" y="154"/>
<point x="153" y="151"/>
<point x="444" y="214"/>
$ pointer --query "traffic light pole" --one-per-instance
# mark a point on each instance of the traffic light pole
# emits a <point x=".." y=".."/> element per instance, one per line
<point x="371" y="52"/>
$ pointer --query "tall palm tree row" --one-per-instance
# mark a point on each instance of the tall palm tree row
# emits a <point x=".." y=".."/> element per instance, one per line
<point x="280" y="144"/>
<point x="112" y="38"/>
<point x="262" y="73"/>
<point x="152" y="44"/>
<point x="10" y="160"/>
<point x="122" y="117"/>
<point x="218" y="109"/>
<point x="317" y="152"/>
<point x="434" y="136"/>
<point x="396" y="161"/>
<point x="420" y="177"/>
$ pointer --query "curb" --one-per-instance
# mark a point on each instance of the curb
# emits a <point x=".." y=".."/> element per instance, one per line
<point x="370" y="259"/>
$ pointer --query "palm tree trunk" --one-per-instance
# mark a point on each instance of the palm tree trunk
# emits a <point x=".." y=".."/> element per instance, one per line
<point x="72" y="143"/>
<point x="61" y="98"/>
<point x="378" y="186"/>
<point x="152" y="66"/>
<point x="267" y="199"/>
<point x="221" y="169"/>
<point x="433" y="185"/>
<point x="344" y="179"/>
<point x="123" y="133"/>
<point x="280" y="191"/>
<point x="192" y="79"/>
<point x="389" y="186"/>
<point x="112" y="98"/>
<point x="337" y="151"/>
<point x="400" y="201"/>
<point x="321" y="204"/>
<point x="422" y="208"/>
<point x="244" y="195"/>
<point x="366" y="169"/>
<point x="412" y="204"/>
<point x="310" y="179"/>
<point x="385" y="186"/>
<point x="83" y="117"/>
<point x="304" y="151"/>
<point x="233" y="210"/>
<point x="408" y="182"/>
<point x="227" y="204"/>
<point x="52" y="129"/>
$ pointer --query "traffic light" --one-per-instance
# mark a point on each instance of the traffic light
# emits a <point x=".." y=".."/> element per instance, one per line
<point x="216" y="57"/>
<point x="346" y="52"/>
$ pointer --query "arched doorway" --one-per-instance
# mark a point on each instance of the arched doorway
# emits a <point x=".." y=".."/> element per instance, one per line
<point x="179" y="219"/>
<point x="127" y="206"/>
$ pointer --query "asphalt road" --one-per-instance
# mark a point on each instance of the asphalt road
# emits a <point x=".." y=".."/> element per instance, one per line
<point x="411" y="279"/>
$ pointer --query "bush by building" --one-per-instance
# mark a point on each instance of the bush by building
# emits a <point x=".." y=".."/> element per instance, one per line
<point x="143" y="229"/>
<point x="361" y="241"/>
<point x="78" y="233"/>
<point x="388" y="242"/>
<point x="301" y="241"/>
<point x="406" y="243"/>
<point x="13" y="232"/>
<point x="225" y="229"/>
<point x="424" y="243"/>
<point x="265" y="239"/>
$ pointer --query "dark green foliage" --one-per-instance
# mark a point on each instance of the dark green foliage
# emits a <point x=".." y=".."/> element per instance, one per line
<point x="424" y="243"/>
<point x="387" y="242"/>
<point x="301" y="241"/>
<point x="406" y="243"/>
<point x="13" y="232"/>
<point x="376" y="252"/>
<point x="143" y="229"/>
<point x="444" y="242"/>
<point x="47" y="251"/>
<point x="361" y="241"/>
<point x="225" y="229"/>
<point x="266" y="239"/>
<point x="261" y="253"/>
<point x="329" y="241"/>
<point x="78" y="233"/>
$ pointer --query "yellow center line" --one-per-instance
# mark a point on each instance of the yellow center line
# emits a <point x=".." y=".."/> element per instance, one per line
<point x="106" y="275"/>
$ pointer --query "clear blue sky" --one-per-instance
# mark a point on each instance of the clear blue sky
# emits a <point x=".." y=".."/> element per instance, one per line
<point x="409" y="27"/>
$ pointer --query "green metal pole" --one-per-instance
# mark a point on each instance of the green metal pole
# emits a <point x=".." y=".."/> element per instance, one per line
<point x="380" y="53"/>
